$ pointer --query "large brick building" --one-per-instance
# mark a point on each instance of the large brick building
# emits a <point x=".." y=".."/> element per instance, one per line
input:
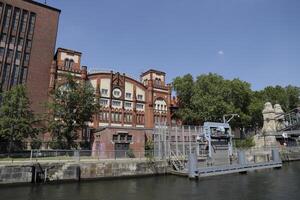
<point x="27" y="44"/>
<point x="130" y="108"/>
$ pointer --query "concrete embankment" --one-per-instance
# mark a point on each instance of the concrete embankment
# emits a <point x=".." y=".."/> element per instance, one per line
<point x="75" y="171"/>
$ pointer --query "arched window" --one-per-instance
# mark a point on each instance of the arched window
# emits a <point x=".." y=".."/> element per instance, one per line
<point x="66" y="63"/>
<point x="71" y="63"/>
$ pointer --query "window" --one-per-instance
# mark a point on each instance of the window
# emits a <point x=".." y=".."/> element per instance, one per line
<point x="140" y="97"/>
<point x="104" y="91"/>
<point x="129" y="138"/>
<point x="117" y="93"/>
<point x="20" y="44"/>
<point x="5" y="75"/>
<point x="24" y="75"/>
<point x="66" y="63"/>
<point x="71" y="63"/>
<point x="127" y="117"/>
<point x="115" y="138"/>
<point x="9" y="54"/>
<point x="31" y="25"/>
<point x="12" y="42"/>
<point x="116" y="103"/>
<point x="122" y="137"/>
<point x="3" y="40"/>
<point x="1" y="52"/>
<point x="128" y="95"/>
<point x="139" y="106"/>
<point x="28" y="44"/>
<point x="15" y="75"/>
<point x="24" y="21"/>
<point x="16" y="20"/>
<point x="128" y="104"/>
<point x="26" y="59"/>
<point x="7" y="18"/>
<point x="103" y="102"/>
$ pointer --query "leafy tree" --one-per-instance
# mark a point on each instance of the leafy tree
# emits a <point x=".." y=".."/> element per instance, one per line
<point x="211" y="96"/>
<point x="72" y="106"/>
<point x="17" y="121"/>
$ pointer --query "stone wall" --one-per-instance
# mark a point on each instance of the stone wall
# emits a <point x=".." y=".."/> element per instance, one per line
<point x="70" y="171"/>
<point x="15" y="174"/>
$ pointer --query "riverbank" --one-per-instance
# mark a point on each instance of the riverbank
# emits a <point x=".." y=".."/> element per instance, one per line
<point x="77" y="171"/>
<point x="21" y="172"/>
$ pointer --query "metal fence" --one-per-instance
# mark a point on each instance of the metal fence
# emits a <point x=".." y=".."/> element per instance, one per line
<point x="73" y="155"/>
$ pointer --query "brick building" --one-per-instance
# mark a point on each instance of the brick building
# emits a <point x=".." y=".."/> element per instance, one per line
<point x="130" y="109"/>
<point x="27" y="44"/>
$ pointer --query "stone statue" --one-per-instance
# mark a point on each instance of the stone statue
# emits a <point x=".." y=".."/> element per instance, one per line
<point x="279" y="117"/>
<point x="269" y="125"/>
<point x="273" y="119"/>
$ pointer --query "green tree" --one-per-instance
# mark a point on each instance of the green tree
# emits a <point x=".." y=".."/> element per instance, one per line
<point x="72" y="106"/>
<point x="17" y="121"/>
<point x="211" y="96"/>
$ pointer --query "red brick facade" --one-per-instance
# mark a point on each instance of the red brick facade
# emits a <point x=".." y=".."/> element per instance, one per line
<point x="28" y="35"/>
<point x="128" y="106"/>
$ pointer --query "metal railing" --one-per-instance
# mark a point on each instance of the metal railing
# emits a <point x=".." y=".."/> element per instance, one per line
<point x="73" y="155"/>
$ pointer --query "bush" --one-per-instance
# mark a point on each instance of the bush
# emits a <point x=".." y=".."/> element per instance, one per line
<point x="149" y="148"/>
<point x="130" y="153"/>
<point x="58" y="145"/>
<point x="36" y="144"/>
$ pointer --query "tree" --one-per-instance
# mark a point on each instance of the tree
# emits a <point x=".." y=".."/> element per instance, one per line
<point x="72" y="105"/>
<point x="211" y="96"/>
<point x="17" y="121"/>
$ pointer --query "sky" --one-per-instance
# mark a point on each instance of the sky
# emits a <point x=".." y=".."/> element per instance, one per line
<point x="257" y="41"/>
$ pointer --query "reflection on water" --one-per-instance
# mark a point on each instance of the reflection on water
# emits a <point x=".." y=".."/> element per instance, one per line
<point x="264" y="184"/>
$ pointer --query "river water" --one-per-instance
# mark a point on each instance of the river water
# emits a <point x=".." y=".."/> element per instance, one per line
<point x="283" y="184"/>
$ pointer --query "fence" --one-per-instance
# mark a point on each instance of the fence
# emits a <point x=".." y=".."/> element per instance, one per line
<point x="73" y="155"/>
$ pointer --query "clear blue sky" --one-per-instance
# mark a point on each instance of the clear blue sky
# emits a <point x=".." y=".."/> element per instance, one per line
<point x="255" y="40"/>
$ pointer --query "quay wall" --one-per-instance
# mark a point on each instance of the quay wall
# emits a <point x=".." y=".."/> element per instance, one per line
<point x="76" y="171"/>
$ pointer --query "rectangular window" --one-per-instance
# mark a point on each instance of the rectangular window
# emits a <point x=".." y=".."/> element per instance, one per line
<point x="127" y="104"/>
<point x="104" y="102"/>
<point x="5" y="76"/>
<point x="7" y="18"/>
<point x="15" y="75"/>
<point x="26" y="59"/>
<point x="3" y="40"/>
<point x="129" y="138"/>
<point x="140" y="97"/>
<point x="20" y="44"/>
<point x="104" y="91"/>
<point x="31" y="25"/>
<point x="9" y="54"/>
<point x="116" y="103"/>
<point x="1" y="8"/>
<point x="16" y="19"/>
<point x="12" y="42"/>
<point x="1" y="52"/>
<point x="128" y="95"/>
<point x="24" y="21"/>
<point x="28" y="44"/>
<point x="139" y="106"/>
<point x="24" y="75"/>
<point x="115" y="138"/>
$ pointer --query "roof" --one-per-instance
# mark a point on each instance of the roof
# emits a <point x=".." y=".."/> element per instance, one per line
<point x="69" y="51"/>
<point x="42" y="5"/>
<point x="153" y="71"/>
